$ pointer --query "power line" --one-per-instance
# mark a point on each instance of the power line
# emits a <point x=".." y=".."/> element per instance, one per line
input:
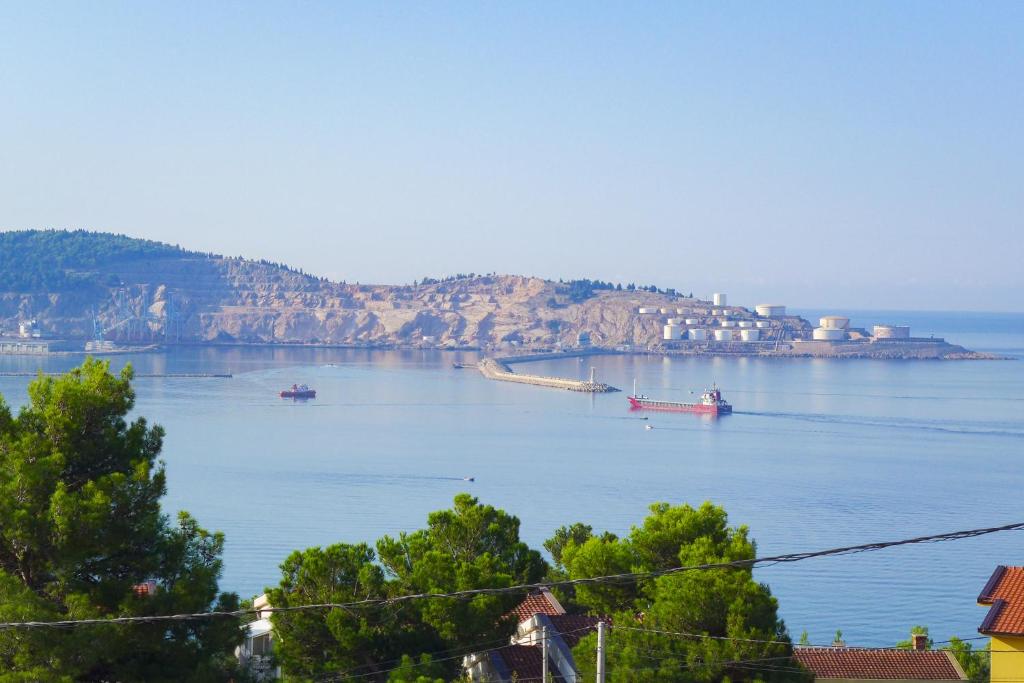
<point x="525" y="588"/>
<point x="350" y="675"/>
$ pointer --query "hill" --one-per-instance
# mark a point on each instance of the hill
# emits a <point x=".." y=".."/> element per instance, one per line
<point x="77" y="283"/>
<point x="84" y="285"/>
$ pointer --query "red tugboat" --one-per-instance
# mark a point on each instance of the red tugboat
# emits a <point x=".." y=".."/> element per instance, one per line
<point x="299" y="391"/>
<point x="711" y="403"/>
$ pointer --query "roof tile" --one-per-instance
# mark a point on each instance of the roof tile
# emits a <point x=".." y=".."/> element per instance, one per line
<point x="1005" y="592"/>
<point x="522" y="660"/>
<point x="878" y="664"/>
<point x="573" y="627"/>
<point x="540" y="602"/>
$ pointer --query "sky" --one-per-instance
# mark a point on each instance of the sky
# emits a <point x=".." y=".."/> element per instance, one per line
<point x="856" y="155"/>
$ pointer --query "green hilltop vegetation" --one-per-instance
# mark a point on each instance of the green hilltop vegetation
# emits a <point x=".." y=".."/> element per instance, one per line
<point x="61" y="260"/>
<point x="58" y="260"/>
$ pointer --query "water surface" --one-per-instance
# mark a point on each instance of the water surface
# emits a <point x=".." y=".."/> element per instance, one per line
<point x="820" y="453"/>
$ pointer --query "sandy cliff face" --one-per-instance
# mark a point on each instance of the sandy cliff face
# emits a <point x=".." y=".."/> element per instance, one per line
<point x="200" y="299"/>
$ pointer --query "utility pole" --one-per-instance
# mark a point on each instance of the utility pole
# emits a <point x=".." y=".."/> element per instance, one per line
<point x="600" y="651"/>
<point x="544" y="654"/>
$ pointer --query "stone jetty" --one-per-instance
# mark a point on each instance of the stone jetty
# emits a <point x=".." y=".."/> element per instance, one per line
<point x="492" y="368"/>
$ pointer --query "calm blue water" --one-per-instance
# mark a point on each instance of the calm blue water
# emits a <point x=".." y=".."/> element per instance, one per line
<point x="821" y="453"/>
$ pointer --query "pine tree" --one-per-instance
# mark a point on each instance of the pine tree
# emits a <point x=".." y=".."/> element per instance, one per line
<point x="81" y="527"/>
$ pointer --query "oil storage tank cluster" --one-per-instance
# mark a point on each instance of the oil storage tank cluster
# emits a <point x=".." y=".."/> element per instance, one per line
<point x="891" y="332"/>
<point x="770" y="310"/>
<point x="834" y="322"/>
<point x="828" y="334"/>
<point x="831" y="328"/>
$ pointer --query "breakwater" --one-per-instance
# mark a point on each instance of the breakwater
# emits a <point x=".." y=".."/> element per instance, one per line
<point x="493" y="368"/>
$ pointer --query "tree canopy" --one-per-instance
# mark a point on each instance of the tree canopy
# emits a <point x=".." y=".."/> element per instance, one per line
<point x="57" y="260"/>
<point x="81" y="527"/>
<point x="468" y="546"/>
<point x="723" y="610"/>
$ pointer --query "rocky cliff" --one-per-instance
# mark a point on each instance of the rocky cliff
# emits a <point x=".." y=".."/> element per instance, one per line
<point x="197" y="298"/>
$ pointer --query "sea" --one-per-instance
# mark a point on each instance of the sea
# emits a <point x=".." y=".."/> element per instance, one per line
<point x="818" y="454"/>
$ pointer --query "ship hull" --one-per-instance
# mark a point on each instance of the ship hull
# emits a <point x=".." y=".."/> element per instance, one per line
<point x="298" y="394"/>
<point x="676" y="407"/>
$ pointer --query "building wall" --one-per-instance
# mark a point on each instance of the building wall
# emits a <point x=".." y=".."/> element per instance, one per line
<point x="1007" y="666"/>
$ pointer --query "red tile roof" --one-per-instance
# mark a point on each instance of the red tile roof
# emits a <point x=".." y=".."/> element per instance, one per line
<point x="1005" y="593"/>
<point x="877" y="664"/>
<point x="522" y="660"/>
<point x="541" y="602"/>
<point x="573" y="627"/>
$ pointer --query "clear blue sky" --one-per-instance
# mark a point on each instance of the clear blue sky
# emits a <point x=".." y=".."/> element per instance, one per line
<point x="854" y="154"/>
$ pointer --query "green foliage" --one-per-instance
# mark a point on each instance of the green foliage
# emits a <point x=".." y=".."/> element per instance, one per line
<point x="80" y="525"/>
<point x="578" y="533"/>
<point x="58" y="260"/>
<point x="915" y="630"/>
<point x="469" y="546"/>
<point x="423" y="671"/>
<point x="975" y="663"/>
<point x="314" y="643"/>
<point x="721" y="603"/>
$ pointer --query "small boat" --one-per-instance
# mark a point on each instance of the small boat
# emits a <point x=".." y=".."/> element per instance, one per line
<point x="710" y="403"/>
<point x="469" y="479"/>
<point x="299" y="391"/>
<point x="648" y="426"/>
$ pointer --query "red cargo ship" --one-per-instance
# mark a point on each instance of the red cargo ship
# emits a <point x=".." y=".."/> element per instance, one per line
<point x="299" y="391"/>
<point x="710" y="403"/>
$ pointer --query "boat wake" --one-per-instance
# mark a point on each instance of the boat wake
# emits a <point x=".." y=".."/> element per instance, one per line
<point x="979" y="429"/>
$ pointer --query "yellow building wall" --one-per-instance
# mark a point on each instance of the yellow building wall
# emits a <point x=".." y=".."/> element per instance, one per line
<point x="1007" y="658"/>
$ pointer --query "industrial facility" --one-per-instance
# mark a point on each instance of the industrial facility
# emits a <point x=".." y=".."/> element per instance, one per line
<point x="715" y="326"/>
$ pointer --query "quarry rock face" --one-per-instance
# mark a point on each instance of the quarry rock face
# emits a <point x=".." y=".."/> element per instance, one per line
<point x="199" y="299"/>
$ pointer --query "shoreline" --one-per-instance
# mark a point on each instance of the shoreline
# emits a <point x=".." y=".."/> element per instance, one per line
<point x="913" y="351"/>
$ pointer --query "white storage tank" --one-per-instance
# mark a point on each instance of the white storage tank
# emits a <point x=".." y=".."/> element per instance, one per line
<point x="763" y="324"/>
<point x="829" y="334"/>
<point x="891" y="332"/>
<point x="745" y="323"/>
<point x="664" y="311"/>
<point x="716" y="311"/>
<point x="834" y="322"/>
<point x="672" y="332"/>
<point x="644" y="310"/>
<point x="674" y="321"/>
<point x="680" y="311"/>
<point x="728" y="323"/>
<point x="698" y="335"/>
<point x="718" y="299"/>
<point x="750" y="335"/>
<point x="770" y="310"/>
<point x="723" y="335"/>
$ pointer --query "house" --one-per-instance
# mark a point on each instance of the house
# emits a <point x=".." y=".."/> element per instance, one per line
<point x="255" y="651"/>
<point x="849" y="664"/>
<point x="1004" y="623"/>
<point x="522" y="659"/>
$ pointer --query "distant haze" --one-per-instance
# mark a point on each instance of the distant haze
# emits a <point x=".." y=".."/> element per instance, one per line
<point x="848" y="155"/>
